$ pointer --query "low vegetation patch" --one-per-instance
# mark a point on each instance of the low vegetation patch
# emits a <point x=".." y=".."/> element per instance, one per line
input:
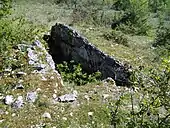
<point x="73" y="73"/>
<point x="99" y="104"/>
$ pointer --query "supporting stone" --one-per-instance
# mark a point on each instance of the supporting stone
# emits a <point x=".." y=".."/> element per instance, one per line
<point x="66" y="44"/>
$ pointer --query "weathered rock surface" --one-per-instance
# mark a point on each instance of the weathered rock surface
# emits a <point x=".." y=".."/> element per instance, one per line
<point x="68" y="97"/>
<point x="9" y="99"/>
<point x="46" y="115"/>
<point x="66" y="44"/>
<point x="19" y="103"/>
<point x="31" y="97"/>
<point x="41" y="60"/>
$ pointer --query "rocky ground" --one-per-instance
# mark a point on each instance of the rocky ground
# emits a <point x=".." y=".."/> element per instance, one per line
<point x="36" y="96"/>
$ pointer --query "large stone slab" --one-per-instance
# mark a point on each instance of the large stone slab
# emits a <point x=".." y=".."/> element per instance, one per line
<point x="66" y="44"/>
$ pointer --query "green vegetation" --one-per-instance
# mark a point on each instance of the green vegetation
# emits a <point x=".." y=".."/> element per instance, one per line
<point x="140" y="36"/>
<point x="73" y="73"/>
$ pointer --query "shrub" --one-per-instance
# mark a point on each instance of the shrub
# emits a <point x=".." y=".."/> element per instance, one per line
<point x="156" y="5"/>
<point x="162" y="37"/>
<point x="5" y="6"/>
<point x="135" y="19"/>
<point x="73" y="73"/>
<point x="117" y="37"/>
<point x="150" y="104"/>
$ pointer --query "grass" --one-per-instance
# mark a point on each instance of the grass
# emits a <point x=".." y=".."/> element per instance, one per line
<point x="40" y="12"/>
<point x="91" y="96"/>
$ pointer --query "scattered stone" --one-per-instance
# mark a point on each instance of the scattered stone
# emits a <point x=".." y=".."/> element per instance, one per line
<point x="54" y="96"/>
<point x="23" y="47"/>
<point x="19" y="103"/>
<point x="71" y="114"/>
<point x="33" y="57"/>
<point x="31" y="97"/>
<point x="87" y="97"/>
<point x="68" y="97"/>
<point x="1" y="112"/>
<point x="43" y="78"/>
<point x="46" y="115"/>
<point x="8" y="70"/>
<point x="105" y="96"/>
<point x="1" y="121"/>
<point x="19" y="86"/>
<point x="9" y="99"/>
<point x="39" y="67"/>
<point x="38" y="89"/>
<point x="19" y="74"/>
<point x="13" y="114"/>
<point x="110" y="80"/>
<point x="64" y="118"/>
<point x="90" y="113"/>
<point x="6" y="112"/>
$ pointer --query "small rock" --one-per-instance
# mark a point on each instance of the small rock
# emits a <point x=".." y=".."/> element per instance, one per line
<point x="40" y="67"/>
<point x="38" y="89"/>
<point x="87" y="97"/>
<point x="54" y="96"/>
<point x="32" y="55"/>
<point x="43" y="78"/>
<point x="31" y="97"/>
<point x="13" y="115"/>
<point x="64" y="118"/>
<point x="67" y="98"/>
<point x="8" y="70"/>
<point x="9" y="99"/>
<point x="71" y="114"/>
<point x="6" y="112"/>
<point x="52" y="77"/>
<point x="19" y="103"/>
<point x="38" y="44"/>
<point x="1" y="112"/>
<point x="46" y="115"/>
<point x="90" y="113"/>
<point x="19" y="74"/>
<point x="19" y="86"/>
<point x="110" y="80"/>
<point x="1" y="121"/>
<point x="23" y="47"/>
<point x="105" y="96"/>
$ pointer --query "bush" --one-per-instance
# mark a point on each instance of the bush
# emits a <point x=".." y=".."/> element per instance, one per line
<point x="156" y="5"/>
<point x="5" y="6"/>
<point x="117" y="37"/>
<point x="149" y="104"/>
<point x="73" y="73"/>
<point x="135" y="19"/>
<point x="162" y="37"/>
